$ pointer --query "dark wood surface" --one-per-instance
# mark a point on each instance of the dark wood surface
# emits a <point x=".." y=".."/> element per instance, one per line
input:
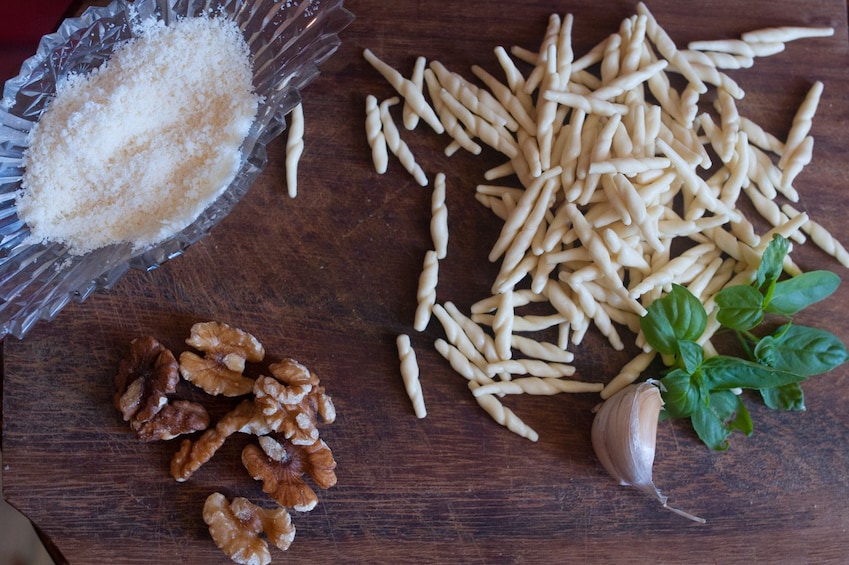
<point x="330" y="278"/>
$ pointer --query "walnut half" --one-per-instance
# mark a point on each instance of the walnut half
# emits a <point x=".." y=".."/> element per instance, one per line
<point x="236" y="528"/>
<point x="244" y="418"/>
<point x="280" y="465"/>
<point x="226" y="350"/>
<point x="293" y="401"/>
<point x="145" y="379"/>
<point x="176" y="418"/>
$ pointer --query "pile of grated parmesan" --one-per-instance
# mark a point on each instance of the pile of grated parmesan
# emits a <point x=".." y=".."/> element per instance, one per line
<point x="135" y="150"/>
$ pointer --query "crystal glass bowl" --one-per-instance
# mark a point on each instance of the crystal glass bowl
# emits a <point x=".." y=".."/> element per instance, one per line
<point x="288" y="39"/>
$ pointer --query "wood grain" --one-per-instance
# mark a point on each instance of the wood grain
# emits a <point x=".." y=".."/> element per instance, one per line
<point x="330" y="278"/>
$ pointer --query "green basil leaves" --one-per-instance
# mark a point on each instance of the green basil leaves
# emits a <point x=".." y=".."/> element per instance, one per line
<point x="707" y="389"/>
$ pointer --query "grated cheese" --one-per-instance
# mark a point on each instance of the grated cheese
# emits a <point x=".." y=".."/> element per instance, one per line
<point x="135" y="150"/>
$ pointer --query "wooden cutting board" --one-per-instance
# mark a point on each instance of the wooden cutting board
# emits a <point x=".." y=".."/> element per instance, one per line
<point x="330" y="279"/>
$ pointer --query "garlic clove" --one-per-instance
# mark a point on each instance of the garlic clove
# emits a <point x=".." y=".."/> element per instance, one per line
<point x="624" y="434"/>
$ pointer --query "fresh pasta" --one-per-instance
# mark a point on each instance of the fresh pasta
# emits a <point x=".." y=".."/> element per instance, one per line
<point x="617" y="182"/>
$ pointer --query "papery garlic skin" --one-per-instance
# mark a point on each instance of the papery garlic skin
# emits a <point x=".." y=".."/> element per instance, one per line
<point x="624" y="435"/>
<point x="624" y="432"/>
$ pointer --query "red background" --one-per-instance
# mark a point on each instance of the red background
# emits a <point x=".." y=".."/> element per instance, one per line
<point x="22" y="23"/>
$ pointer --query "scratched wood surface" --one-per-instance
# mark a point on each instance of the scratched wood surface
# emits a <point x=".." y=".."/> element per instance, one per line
<point x="330" y="278"/>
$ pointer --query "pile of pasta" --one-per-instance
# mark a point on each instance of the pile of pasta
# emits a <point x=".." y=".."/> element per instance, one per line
<point x="616" y="184"/>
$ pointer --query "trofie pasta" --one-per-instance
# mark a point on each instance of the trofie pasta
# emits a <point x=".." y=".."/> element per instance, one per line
<point x="503" y="415"/>
<point x="439" y="217"/>
<point x="398" y="147"/>
<point x="410" y="374"/>
<point x="294" y="148"/>
<point x="426" y="294"/>
<point x="411" y="92"/>
<point x="626" y="182"/>
<point x="376" y="138"/>
<point x="411" y="118"/>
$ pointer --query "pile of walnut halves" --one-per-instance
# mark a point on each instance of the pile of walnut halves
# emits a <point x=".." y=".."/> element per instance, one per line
<point x="283" y="410"/>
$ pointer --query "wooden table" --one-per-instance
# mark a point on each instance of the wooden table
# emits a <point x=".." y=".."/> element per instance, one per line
<point x="330" y="278"/>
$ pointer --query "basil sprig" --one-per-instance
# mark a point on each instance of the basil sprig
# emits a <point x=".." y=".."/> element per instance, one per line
<point x="707" y="389"/>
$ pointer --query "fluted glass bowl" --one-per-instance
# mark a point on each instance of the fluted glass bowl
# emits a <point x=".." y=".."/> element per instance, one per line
<point x="288" y="39"/>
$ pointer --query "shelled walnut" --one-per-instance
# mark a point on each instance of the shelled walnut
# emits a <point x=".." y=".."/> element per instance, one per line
<point x="175" y="419"/>
<point x="291" y="401"/>
<point x="226" y="350"/>
<point x="244" y="418"/>
<point x="145" y="378"/>
<point x="236" y="527"/>
<point x="281" y="466"/>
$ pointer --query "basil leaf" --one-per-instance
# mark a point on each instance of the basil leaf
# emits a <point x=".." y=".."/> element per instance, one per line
<point x="710" y="430"/>
<point x="725" y="413"/>
<point x="734" y="414"/>
<point x="690" y="355"/>
<point x="677" y="316"/>
<point x="796" y="293"/>
<point x="740" y="307"/>
<point x="801" y="349"/>
<point x="725" y="373"/>
<point x="681" y="394"/>
<point x="787" y="397"/>
<point x="772" y="261"/>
